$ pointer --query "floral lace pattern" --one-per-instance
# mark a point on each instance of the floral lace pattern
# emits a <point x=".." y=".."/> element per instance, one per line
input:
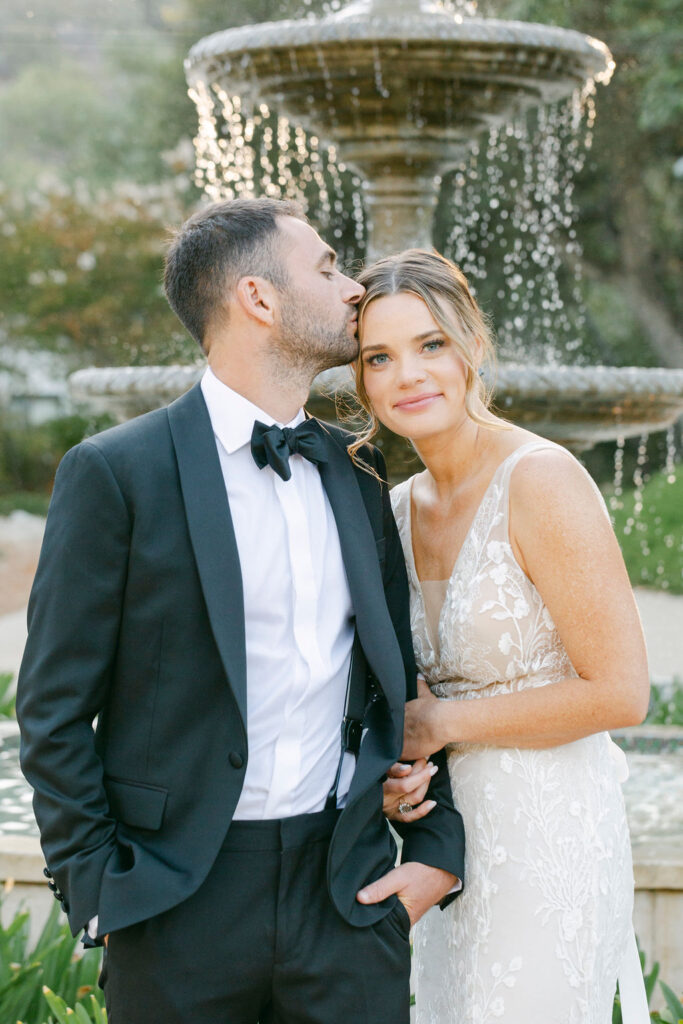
<point x="540" y="931"/>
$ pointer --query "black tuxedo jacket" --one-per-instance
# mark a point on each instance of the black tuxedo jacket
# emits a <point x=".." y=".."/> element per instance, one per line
<point x="136" y="618"/>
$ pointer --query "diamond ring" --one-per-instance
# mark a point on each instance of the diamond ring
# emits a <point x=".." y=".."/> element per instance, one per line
<point x="404" y="807"/>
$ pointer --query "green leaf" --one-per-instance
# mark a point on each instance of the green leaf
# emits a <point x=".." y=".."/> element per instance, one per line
<point x="58" y="1006"/>
<point x="98" y="1012"/>
<point x="82" y="1014"/>
<point x="672" y="1001"/>
<point x="650" y="981"/>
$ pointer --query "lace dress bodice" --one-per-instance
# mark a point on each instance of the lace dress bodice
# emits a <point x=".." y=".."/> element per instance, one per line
<point x="543" y="925"/>
<point x="495" y="632"/>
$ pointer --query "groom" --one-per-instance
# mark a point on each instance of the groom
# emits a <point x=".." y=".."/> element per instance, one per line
<point x="220" y="595"/>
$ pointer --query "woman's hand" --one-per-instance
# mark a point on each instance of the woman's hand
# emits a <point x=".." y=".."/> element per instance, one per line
<point x="406" y="786"/>
<point x="421" y="735"/>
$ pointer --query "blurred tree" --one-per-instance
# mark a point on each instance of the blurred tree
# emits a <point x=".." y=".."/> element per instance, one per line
<point x="82" y="275"/>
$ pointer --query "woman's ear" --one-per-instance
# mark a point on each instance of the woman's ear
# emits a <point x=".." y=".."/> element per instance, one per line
<point x="258" y="299"/>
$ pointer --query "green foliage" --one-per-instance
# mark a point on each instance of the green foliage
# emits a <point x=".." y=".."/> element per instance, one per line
<point x="65" y="1015"/>
<point x="622" y="341"/>
<point x="649" y="528"/>
<point x="7" y="700"/>
<point x="29" y="456"/>
<point x="674" y="1005"/>
<point x="84" y="275"/>
<point x="51" y="964"/>
<point x="666" y="705"/>
<point x="26" y="501"/>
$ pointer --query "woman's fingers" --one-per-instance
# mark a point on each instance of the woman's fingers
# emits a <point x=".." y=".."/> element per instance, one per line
<point x="405" y="784"/>
<point x="400" y="770"/>
<point x="417" y="812"/>
<point x="407" y="789"/>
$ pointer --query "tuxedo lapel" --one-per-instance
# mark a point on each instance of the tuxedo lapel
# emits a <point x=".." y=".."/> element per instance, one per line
<point x="212" y="534"/>
<point x="359" y="552"/>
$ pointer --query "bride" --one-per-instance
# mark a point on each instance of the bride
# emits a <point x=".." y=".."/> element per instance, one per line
<point x="527" y="634"/>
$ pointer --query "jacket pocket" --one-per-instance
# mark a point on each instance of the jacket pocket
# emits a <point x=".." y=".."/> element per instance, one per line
<point x="136" y="804"/>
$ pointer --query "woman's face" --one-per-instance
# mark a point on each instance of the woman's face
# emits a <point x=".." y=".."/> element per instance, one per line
<point x="413" y="375"/>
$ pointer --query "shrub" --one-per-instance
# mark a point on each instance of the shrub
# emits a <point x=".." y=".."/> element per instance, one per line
<point x="53" y="963"/>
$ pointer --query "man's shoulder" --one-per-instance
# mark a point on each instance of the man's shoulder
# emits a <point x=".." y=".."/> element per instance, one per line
<point x="368" y="452"/>
<point x="146" y="429"/>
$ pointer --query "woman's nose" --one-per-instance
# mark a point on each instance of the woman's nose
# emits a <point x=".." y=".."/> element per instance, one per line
<point x="410" y="371"/>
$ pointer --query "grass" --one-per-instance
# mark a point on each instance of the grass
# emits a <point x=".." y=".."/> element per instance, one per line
<point x="649" y="526"/>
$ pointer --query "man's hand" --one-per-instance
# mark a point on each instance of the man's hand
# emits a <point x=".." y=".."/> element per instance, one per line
<point x="418" y="886"/>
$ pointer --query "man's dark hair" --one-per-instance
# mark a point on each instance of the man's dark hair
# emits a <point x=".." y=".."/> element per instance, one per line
<point x="215" y="248"/>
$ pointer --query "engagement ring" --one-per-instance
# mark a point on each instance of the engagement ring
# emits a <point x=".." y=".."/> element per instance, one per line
<point x="404" y="807"/>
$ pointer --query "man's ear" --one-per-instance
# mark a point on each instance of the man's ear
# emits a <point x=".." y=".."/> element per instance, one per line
<point x="258" y="299"/>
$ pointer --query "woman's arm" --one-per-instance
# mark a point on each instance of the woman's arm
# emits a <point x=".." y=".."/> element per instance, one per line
<point x="563" y="540"/>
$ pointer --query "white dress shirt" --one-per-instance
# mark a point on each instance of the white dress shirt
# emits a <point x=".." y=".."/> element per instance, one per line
<point x="298" y="618"/>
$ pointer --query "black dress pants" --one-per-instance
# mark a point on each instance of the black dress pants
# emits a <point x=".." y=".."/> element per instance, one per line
<point x="260" y="942"/>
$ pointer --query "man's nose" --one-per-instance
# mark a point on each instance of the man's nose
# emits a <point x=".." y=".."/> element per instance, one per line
<point x="354" y="291"/>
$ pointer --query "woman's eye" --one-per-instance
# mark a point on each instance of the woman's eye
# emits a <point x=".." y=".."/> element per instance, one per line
<point x="376" y="360"/>
<point x="433" y="346"/>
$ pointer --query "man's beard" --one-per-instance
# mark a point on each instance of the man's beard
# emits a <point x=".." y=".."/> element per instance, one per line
<point x="307" y="343"/>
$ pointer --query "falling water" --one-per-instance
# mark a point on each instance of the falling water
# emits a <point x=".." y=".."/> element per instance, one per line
<point x="511" y="206"/>
<point x="643" y="519"/>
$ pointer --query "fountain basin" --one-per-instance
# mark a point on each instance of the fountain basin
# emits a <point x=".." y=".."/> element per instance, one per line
<point x="577" y="406"/>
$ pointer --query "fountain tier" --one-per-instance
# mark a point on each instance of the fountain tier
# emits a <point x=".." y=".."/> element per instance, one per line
<point x="401" y="88"/>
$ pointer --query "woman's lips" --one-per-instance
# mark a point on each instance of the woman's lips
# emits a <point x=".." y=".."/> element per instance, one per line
<point x="417" y="403"/>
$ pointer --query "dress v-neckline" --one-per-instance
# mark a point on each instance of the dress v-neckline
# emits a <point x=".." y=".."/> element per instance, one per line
<point x="411" y="562"/>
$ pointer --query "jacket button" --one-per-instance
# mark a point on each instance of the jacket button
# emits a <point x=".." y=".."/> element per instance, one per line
<point x="235" y="759"/>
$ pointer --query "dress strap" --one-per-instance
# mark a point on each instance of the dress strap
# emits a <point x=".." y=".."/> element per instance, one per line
<point x="634" y="1008"/>
<point x="506" y="469"/>
<point x="525" y="449"/>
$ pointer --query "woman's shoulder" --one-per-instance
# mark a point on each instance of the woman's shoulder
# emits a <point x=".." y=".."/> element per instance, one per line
<point x="548" y="481"/>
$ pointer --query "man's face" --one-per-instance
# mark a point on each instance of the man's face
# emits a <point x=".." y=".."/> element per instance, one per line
<point x="317" y="318"/>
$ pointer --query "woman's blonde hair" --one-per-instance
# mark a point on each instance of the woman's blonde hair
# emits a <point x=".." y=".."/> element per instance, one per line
<point x="443" y="288"/>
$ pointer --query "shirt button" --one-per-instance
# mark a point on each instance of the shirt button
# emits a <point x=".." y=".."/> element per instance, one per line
<point x="235" y="759"/>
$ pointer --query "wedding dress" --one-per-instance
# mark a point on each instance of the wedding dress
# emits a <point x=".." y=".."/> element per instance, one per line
<point x="543" y="927"/>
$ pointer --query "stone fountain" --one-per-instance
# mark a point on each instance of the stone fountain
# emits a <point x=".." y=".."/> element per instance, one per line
<point x="401" y="88"/>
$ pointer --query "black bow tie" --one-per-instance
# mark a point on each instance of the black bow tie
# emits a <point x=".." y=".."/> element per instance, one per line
<point x="272" y="446"/>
